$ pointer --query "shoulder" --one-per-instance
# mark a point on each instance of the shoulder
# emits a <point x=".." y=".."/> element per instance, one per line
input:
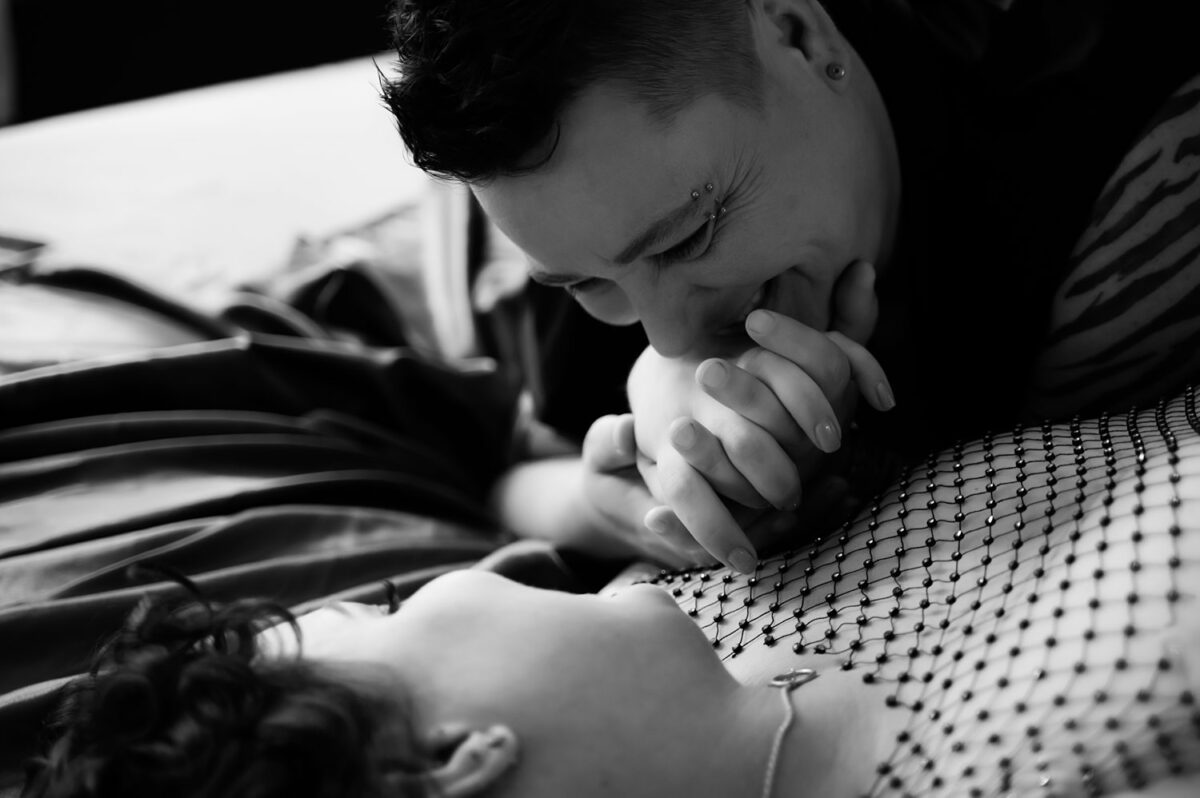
<point x="1125" y="321"/>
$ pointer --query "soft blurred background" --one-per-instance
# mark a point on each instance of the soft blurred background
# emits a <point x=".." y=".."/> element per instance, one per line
<point x="200" y="149"/>
<point x="69" y="55"/>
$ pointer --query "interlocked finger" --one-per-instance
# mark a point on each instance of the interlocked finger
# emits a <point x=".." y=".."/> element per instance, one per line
<point x="832" y="359"/>
<point x="609" y="443"/>
<point x="749" y="395"/>
<point x="809" y="349"/>
<point x="705" y="453"/>
<point x="703" y="513"/>
<point x="872" y="382"/>
<point x="674" y="544"/>
<point x="758" y="458"/>
<point x="806" y="404"/>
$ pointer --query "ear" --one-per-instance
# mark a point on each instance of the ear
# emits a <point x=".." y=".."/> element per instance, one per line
<point x="806" y="26"/>
<point x="473" y="759"/>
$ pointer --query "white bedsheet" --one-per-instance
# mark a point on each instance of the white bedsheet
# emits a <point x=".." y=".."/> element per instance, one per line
<point x="193" y="192"/>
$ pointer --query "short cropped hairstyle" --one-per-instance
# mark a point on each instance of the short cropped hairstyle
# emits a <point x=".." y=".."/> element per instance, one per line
<point x="180" y="704"/>
<point x="482" y="84"/>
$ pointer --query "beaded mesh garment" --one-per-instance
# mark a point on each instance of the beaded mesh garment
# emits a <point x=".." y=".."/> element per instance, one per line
<point x="1027" y="599"/>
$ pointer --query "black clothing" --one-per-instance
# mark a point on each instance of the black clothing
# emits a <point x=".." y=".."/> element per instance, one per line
<point x="1019" y="600"/>
<point x="1009" y="123"/>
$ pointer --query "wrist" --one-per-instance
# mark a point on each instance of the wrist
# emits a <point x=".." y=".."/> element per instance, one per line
<point x="544" y="499"/>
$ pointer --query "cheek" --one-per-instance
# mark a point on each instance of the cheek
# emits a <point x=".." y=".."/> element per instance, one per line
<point x="610" y="305"/>
<point x="501" y="673"/>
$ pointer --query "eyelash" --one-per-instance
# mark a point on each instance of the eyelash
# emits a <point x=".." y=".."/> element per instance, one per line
<point x="575" y="289"/>
<point x="393" y="596"/>
<point x="692" y="247"/>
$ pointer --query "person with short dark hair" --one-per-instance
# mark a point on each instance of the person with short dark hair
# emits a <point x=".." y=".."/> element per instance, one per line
<point x="978" y="211"/>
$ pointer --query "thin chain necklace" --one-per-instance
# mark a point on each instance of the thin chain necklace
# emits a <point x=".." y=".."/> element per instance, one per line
<point x="786" y="682"/>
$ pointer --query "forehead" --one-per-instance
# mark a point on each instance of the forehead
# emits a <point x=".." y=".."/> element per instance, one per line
<point x="614" y="170"/>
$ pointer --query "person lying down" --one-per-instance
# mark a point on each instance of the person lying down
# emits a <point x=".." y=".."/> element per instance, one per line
<point x="1016" y="616"/>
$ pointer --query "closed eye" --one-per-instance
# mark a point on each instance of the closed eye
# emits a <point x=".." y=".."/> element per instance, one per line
<point x="393" y="596"/>
<point x="692" y="247"/>
<point x="590" y="284"/>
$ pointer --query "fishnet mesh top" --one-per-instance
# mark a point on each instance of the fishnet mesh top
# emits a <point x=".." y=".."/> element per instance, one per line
<point x="1027" y="600"/>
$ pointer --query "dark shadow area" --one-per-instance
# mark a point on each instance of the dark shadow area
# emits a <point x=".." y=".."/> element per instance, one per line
<point x="74" y="55"/>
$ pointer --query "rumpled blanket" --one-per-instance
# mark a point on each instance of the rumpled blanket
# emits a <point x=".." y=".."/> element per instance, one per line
<point x="295" y="467"/>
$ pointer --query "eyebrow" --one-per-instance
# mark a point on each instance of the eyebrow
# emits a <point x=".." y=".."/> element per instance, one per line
<point x="656" y="232"/>
<point x="653" y="234"/>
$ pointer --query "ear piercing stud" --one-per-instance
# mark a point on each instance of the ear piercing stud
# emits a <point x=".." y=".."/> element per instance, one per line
<point x="835" y="71"/>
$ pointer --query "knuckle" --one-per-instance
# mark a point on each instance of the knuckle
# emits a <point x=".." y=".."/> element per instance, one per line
<point x="838" y="369"/>
<point x="599" y="432"/>
<point x="705" y="458"/>
<point x="744" y="392"/>
<point x="751" y="359"/>
<point x="742" y="445"/>
<point x="677" y="485"/>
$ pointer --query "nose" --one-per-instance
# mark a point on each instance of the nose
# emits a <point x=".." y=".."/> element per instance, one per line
<point x="675" y="323"/>
<point x="693" y="328"/>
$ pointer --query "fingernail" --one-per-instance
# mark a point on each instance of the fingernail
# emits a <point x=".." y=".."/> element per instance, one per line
<point x="683" y="435"/>
<point x="713" y="373"/>
<point x="828" y="437"/>
<point x="789" y="504"/>
<point x="655" y="523"/>
<point x="618" y="440"/>
<point x="743" y="561"/>
<point x="884" y="393"/>
<point x="760" y="322"/>
<point x="869" y="282"/>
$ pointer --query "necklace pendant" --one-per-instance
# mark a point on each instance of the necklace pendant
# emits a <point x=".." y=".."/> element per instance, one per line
<point x="793" y="678"/>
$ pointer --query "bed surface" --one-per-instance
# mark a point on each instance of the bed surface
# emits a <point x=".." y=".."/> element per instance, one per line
<point x="223" y="363"/>
<point x="194" y="191"/>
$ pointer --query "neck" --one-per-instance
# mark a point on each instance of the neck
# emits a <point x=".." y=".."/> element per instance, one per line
<point x="812" y="759"/>
<point x="835" y="738"/>
<point x="730" y="747"/>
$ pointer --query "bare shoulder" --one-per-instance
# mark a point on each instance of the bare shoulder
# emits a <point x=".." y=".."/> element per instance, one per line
<point x="1125" y="322"/>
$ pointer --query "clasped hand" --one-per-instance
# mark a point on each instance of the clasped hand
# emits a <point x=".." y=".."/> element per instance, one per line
<point x="724" y="445"/>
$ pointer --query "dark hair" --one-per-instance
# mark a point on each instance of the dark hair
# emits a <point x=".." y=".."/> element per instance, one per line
<point x="482" y="84"/>
<point x="180" y="703"/>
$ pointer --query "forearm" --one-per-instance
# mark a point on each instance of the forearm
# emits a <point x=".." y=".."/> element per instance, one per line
<point x="544" y="499"/>
<point x="537" y="499"/>
<point x="541" y="495"/>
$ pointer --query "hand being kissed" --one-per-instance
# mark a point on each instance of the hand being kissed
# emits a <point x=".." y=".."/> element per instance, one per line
<point x="721" y="441"/>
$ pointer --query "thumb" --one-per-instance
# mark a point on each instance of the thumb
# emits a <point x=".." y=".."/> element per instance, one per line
<point x="609" y="443"/>
<point x="855" y="305"/>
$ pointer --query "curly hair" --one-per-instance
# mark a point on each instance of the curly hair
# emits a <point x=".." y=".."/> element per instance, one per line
<point x="482" y="84"/>
<point x="181" y="703"/>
